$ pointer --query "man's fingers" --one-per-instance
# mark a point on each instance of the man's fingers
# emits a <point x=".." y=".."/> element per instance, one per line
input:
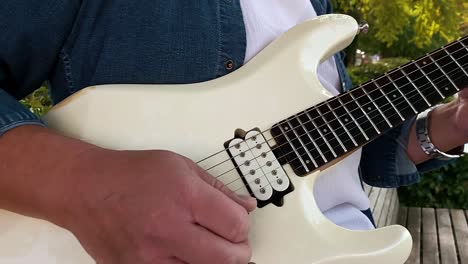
<point x="218" y="213"/>
<point x="464" y="93"/>
<point x="200" y="246"/>
<point x="248" y="202"/>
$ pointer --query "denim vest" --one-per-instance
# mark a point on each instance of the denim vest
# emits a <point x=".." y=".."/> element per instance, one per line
<point x="78" y="43"/>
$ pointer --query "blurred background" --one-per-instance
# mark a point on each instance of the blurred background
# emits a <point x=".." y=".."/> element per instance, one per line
<point x="400" y="30"/>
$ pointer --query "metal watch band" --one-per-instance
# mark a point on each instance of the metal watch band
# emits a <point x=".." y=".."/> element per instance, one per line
<point x="422" y="134"/>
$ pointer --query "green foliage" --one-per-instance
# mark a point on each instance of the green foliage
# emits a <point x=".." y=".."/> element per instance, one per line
<point x="430" y="18"/>
<point x="361" y="74"/>
<point x="446" y="187"/>
<point x="406" y="28"/>
<point x="38" y="102"/>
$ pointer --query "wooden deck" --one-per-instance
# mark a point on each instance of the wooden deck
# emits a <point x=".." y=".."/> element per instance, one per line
<point x="384" y="205"/>
<point x="440" y="236"/>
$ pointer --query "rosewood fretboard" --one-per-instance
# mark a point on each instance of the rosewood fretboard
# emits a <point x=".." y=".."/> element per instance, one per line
<point x="341" y="124"/>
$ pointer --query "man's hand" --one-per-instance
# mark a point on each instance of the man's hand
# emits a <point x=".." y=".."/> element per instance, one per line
<point x="125" y="207"/>
<point x="448" y="128"/>
<point x="461" y="114"/>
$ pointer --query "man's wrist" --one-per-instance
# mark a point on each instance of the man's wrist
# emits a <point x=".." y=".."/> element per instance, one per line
<point x="443" y="131"/>
<point x="35" y="172"/>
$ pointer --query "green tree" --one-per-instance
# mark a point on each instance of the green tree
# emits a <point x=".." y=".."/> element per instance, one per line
<point x="406" y="28"/>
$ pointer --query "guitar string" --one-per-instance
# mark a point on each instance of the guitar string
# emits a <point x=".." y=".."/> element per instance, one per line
<point x="325" y="152"/>
<point x="425" y="75"/>
<point x="428" y="55"/>
<point x="279" y="167"/>
<point x="414" y="93"/>
<point x="351" y="122"/>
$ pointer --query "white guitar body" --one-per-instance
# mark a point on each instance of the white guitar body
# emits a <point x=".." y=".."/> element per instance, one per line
<point x="195" y="120"/>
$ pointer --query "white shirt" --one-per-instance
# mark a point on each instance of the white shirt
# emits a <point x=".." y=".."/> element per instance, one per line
<point x="338" y="190"/>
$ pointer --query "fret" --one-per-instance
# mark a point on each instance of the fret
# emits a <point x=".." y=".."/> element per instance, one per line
<point x="342" y="125"/>
<point x="459" y="54"/>
<point x="442" y="70"/>
<point x="437" y="77"/>
<point x="331" y="129"/>
<point x="316" y="147"/>
<point x="456" y="62"/>
<point x="364" y="112"/>
<point x="307" y="140"/>
<point x="319" y="130"/>
<point x="374" y="102"/>
<point x="401" y="105"/>
<point x="304" y="146"/>
<point x="317" y="141"/>
<point x="354" y="119"/>
<point x="415" y="87"/>
<point x="285" y="130"/>
<point x="345" y="118"/>
<point x="392" y="81"/>
<point x="380" y="95"/>
<point x="430" y="81"/>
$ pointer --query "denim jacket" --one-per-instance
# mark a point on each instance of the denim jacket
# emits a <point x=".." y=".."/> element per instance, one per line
<point x="78" y="43"/>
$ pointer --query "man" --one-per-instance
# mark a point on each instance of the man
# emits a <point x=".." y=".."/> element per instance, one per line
<point x="156" y="206"/>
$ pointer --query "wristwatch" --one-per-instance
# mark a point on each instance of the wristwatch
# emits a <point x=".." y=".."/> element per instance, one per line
<point x="422" y="133"/>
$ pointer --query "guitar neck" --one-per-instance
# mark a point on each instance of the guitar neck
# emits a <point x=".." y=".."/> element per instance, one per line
<point x="325" y="132"/>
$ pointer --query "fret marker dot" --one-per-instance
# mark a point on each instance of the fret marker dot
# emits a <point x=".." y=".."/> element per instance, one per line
<point x="262" y="191"/>
<point x="237" y="146"/>
<point x="257" y="181"/>
<point x="279" y="181"/>
<point x="308" y="161"/>
<point x="286" y="128"/>
<point x="424" y="62"/>
<point x="242" y="154"/>
<point x="274" y="172"/>
<point x="264" y="155"/>
<point x="369" y="108"/>
<point x="446" y="88"/>
<point x="259" y="146"/>
<point x="394" y="96"/>
<point x="346" y="120"/>
<point x="252" y="172"/>
<point x="269" y="163"/>
<point x="254" y="138"/>
<point x="247" y="163"/>
<point x="325" y="130"/>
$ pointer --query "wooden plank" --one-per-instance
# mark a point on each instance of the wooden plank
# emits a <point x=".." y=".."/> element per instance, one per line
<point x="367" y="189"/>
<point x="414" y="227"/>
<point x="430" y="246"/>
<point x="448" y="253"/>
<point x="402" y="216"/>
<point x="393" y="220"/>
<point x="373" y="196"/>
<point x="460" y="227"/>
<point x="385" y="214"/>
<point x="379" y="204"/>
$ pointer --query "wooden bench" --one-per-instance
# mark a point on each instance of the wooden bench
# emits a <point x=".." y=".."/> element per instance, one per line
<point x="440" y="236"/>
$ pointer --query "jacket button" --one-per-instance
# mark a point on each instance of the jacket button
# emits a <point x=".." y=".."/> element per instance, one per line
<point x="229" y="65"/>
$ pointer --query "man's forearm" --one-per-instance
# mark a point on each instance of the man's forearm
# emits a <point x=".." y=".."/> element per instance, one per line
<point x="443" y="133"/>
<point x="35" y="177"/>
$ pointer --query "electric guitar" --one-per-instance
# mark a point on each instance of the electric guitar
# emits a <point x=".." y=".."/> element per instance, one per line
<point x="267" y="130"/>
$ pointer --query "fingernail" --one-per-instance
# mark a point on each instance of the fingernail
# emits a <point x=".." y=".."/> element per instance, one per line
<point x="246" y="197"/>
